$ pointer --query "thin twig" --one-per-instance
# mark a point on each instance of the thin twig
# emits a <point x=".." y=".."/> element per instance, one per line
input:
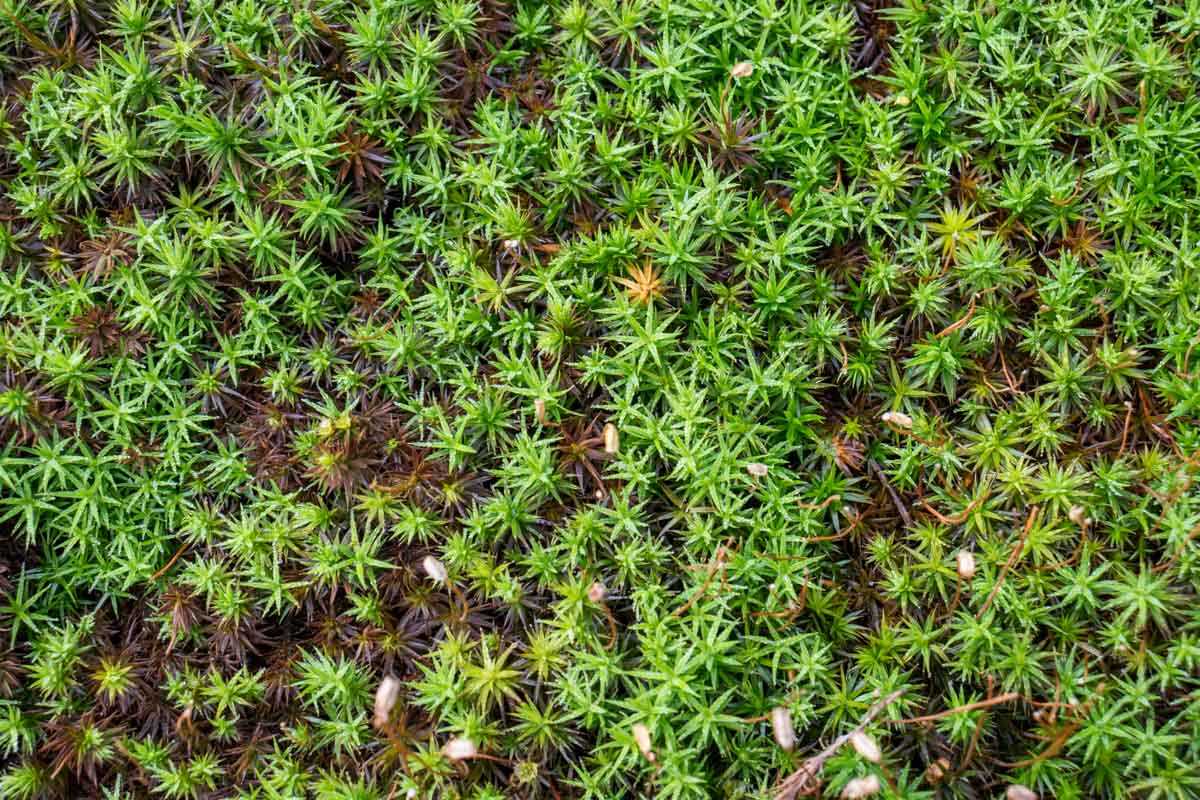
<point x="955" y="326"/>
<point x="1125" y="429"/>
<point x="1012" y="559"/>
<point x="818" y="506"/>
<point x="795" y="610"/>
<point x="991" y="701"/>
<point x="839" y="535"/>
<point x="896" y="501"/>
<point x="718" y="563"/>
<point x="960" y="516"/>
<point x="800" y="781"/>
<point x="170" y="563"/>
<point x="612" y="627"/>
<point x="1179" y="551"/>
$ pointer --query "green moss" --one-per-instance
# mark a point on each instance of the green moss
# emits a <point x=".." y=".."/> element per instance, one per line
<point x="611" y="374"/>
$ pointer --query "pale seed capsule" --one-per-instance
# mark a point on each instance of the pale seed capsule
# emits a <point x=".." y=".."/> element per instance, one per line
<point x="1078" y="516"/>
<point x="757" y="470"/>
<point x="965" y="561"/>
<point x="898" y="419"/>
<point x="612" y="439"/>
<point x="781" y="726"/>
<point x="937" y="770"/>
<point x="862" y="787"/>
<point x="385" y="699"/>
<point x="1018" y="792"/>
<point x="459" y="749"/>
<point x="865" y="746"/>
<point x="435" y="569"/>
<point x="597" y="592"/>
<point x="641" y="736"/>
<point x="539" y="410"/>
<point x="742" y="69"/>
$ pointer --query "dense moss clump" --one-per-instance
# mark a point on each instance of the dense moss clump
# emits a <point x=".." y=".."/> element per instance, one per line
<point x="599" y="399"/>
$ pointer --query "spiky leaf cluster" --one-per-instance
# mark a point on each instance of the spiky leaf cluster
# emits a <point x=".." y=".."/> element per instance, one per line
<point x="612" y="374"/>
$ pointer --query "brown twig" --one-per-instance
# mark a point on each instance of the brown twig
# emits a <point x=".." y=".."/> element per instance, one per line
<point x="818" y="506"/>
<point x="170" y="563"/>
<point x="1125" y="429"/>
<point x="800" y="781"/>
<point x="717" y="563"/>
<point x="1083" y="537"/>
<point x="960" y="516"/>
<point x="794" y="610"/>
<point x="1059" y="741"/>
<point x="1008" y="378"/>
<point x="956" y="325"/>
<point x="612" y="627"/>
<point x="1187" y="357"/>
<point x="1074" y="194"/>
<point x="1179" y="551"/>
<point x="1012" y="559"/>
<point x="901" y="509"/>
<point x="839" y="535"/>
<point x="991" y="701"/>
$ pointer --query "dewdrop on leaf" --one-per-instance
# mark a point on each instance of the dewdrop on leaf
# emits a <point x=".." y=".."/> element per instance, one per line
<point x="865" y="746"/>
<point x="459" y="749"/>
<point x="897" y="418"/>
<point x="965" y="562"/>
<point x="612" y="439"/>
<point x="385" y="699"/>
<point x="742" y="69"/>
<point x="781" y="726"/>
<point x="862" y="787"/>
<point x="641" y="736"/>
<point x="1018" y="792"/>
<point x="435" y="569"/>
